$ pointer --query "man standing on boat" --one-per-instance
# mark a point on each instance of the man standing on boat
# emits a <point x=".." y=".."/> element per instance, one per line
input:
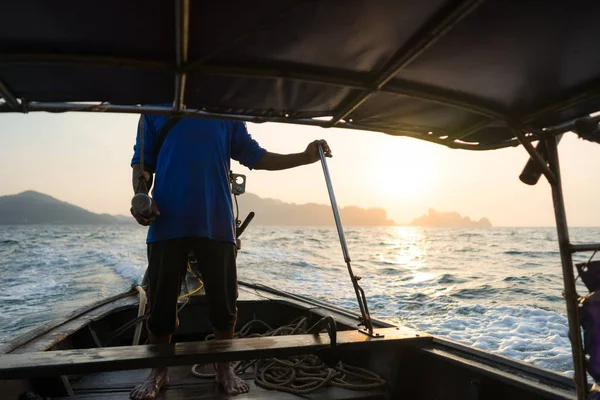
<point x="192" y="211"/>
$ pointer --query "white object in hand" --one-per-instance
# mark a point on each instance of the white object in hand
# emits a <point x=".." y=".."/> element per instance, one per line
<point x="142" y="203"/>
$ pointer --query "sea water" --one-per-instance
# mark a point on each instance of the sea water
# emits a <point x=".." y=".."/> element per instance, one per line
<point x="498" y="289"/>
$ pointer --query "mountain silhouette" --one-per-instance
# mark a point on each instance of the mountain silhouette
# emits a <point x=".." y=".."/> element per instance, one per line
<point x="277" y="212"/>
<point x="32" y="207"/>
<point x="449" y="219"/>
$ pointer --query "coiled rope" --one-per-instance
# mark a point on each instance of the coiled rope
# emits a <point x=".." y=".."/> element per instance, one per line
<point x="184" y="297"/>
<point x="193" y="292"/>
<point x="297" y="375"/>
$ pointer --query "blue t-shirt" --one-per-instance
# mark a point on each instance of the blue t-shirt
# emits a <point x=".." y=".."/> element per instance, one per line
<point x="191" y="181"/>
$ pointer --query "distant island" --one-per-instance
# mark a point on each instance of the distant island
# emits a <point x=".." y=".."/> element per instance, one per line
<point x="449" y="219"/>
<point x="32" y="207"/>
<point x="277" y="212"/>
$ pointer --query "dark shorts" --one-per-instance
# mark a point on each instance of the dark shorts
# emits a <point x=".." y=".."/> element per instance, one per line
<point x="167" y="265"/>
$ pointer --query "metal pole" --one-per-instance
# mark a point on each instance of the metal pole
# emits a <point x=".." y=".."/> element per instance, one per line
<point x="570" y="292"/>
<point x="9" y="97"/>
<point x="571" y="125"/>
<point x="36" y="106"/>
<point x="360" y="294"/>
<point x="336" y="214"/>
<point x="182" y="27"/>
<point x="575" y="248"/>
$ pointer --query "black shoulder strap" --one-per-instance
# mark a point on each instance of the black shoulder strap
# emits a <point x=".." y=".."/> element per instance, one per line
<point x="163" y="132"/>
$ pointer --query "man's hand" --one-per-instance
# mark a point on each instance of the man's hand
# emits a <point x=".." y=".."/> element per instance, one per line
<point x="312" y="150"/>
<point x="145" y="220"/>
<point x="276" y="162"/>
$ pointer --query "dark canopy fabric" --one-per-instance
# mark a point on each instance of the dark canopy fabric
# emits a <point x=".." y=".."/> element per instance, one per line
<point x="459" y="73"/>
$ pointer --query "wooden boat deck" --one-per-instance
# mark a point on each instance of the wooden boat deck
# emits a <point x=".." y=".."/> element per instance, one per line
<point x="185" y="386"/>
<point x="89" y="361"/>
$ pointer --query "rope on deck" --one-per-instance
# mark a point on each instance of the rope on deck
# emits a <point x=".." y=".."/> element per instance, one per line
<point x="297" y="375"/>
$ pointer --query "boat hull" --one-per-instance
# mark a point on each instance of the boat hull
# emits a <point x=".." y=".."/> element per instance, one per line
<point x="80" y="355"/>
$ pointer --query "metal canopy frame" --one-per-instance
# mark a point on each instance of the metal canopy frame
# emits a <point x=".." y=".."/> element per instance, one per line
<point x="566" y="258"/>
<point x="103" y="107"/>
<point x="287" y="70"/>
<point x="363" y="85"/>
<point x="8" y="96"/>
<point x="551" y="170"/>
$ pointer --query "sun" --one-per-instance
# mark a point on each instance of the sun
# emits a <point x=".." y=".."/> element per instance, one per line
<point x="402" y="172"/>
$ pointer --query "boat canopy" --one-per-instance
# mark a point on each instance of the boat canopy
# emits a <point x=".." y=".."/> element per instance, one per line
<point x="464" y="74"/>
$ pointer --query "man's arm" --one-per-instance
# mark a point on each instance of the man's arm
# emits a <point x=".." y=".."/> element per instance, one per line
<point x="141" y="183"/>
<point x="276" y="162"/>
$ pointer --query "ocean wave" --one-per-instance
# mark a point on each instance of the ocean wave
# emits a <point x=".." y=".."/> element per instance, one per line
<point x="533" y="254"/>
<point x="519" y="279"/>
<point x="303" y="264"/>
<point x="553" y="298"/>
<point x="390" y="271"/>
<point x="130" y="271"/>
<point x="483" y="291"/>
<point x="469" y="235"/>
<point x="387" y="262"/>
<point x="467" y="249"/>
<point x="449" y="278"/>
<point x="314" y="240"/>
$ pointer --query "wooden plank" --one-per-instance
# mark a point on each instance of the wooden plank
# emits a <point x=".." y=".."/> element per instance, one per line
<point x="126" y="380"/>
<point x="209" y="390"/>
<point x="179" y="377"/>
<point x="67" y="362"/>
<point x="183" y="385"/>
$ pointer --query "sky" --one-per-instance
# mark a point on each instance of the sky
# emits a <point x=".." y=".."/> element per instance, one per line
<point x="84" y="159"/>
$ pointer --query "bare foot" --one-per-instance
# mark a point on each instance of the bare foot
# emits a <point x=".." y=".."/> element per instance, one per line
<point x="229" y="381"/>
<point x="151" y="386"/>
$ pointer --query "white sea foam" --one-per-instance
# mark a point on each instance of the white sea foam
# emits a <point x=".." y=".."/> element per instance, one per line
<point x="133" y="272"/>
<point x="524" y="333"/>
